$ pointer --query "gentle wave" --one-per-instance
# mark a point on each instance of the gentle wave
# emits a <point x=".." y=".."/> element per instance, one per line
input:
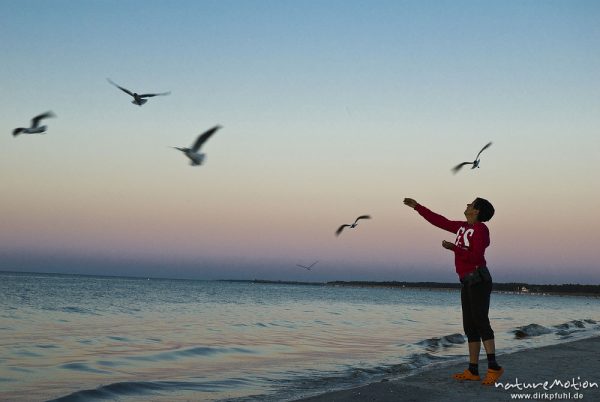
<point x="191" y="352"/>
<point x="82" y="367"/>
<point x="445" y="341"/>
<point x="47" y="346"/>
<point x="564" y="329"/>
<point x="141" y="388"/>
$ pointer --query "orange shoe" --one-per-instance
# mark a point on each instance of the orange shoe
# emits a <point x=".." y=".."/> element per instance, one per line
<point x="466" y="376"/>
<point x="492" y="376"/>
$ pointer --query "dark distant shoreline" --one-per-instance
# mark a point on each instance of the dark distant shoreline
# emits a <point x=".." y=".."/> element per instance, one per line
<point x="564" y="289"/>
<point x="513" y="287"/>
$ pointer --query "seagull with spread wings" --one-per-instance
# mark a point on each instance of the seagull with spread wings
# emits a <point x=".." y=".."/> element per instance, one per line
<point x="196" y="158"/>
<point x="352" y="225"/>
<point x="138" y="99"/>
<point x="475" y="163"/>
<point x="35" y="125"/>
<point x="309" y="267"/>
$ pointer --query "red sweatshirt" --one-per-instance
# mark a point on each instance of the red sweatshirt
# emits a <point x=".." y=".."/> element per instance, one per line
<point x="470" y="243"/>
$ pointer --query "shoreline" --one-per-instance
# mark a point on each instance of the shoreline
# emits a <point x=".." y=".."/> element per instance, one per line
<point x="565" y="289"/>
<point x="535" y="372"/>
<point x="499" y="287"/>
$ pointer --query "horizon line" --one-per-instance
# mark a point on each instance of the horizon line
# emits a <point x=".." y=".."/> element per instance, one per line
<point x="285" y="281"/>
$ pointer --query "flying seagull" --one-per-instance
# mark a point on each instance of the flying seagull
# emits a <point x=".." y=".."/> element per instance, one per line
<point x="307" y="267"/>
<point x="475" y="163"/>
<point x="196" y="157"/>
<point x="353" y="225"/>
<point x="35" y="125"/>
<point x="138" y="99"/>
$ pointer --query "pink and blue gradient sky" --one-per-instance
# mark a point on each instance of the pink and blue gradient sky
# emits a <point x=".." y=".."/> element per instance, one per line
<point x="330" y="110"/>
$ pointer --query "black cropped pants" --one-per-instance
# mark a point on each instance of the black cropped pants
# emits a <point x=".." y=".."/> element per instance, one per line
<point x="475" y="301"/>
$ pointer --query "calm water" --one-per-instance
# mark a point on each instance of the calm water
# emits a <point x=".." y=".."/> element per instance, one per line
<point x="106" y="338"/>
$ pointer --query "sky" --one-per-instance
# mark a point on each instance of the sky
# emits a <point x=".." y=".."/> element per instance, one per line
<point x="330" y="110"/>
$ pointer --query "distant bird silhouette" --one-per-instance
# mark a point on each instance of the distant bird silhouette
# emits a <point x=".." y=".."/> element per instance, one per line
<point x="307" y="267"/>
<point x="475" y="163"/>
<point x="35" y="125"/>
<point x="196" y="158"/>
<point x="138" y="99"/>
<point x="353" y="225"/>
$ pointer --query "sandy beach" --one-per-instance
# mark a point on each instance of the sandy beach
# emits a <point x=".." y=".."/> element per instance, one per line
<point x="567" y="371"/>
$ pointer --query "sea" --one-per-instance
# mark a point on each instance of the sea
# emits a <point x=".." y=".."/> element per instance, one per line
<point x="94" y="338"/>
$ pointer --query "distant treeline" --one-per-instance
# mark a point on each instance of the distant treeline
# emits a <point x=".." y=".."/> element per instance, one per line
<point x="572" y="289"/>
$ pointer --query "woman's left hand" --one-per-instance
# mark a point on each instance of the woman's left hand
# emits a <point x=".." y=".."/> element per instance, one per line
<point x="448" y="245"/>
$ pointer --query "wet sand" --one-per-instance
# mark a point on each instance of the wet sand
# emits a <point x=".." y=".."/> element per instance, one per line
<point x="575" y="364"/>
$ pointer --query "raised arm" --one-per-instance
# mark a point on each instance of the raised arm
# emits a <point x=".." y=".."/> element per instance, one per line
<point x="433" y="218"/>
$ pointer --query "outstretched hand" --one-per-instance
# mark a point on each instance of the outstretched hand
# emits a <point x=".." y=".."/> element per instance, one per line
<point x="410" y="202"/>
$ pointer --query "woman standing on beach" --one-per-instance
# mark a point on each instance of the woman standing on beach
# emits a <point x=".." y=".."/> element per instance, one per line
<point x="472" y="238"/>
